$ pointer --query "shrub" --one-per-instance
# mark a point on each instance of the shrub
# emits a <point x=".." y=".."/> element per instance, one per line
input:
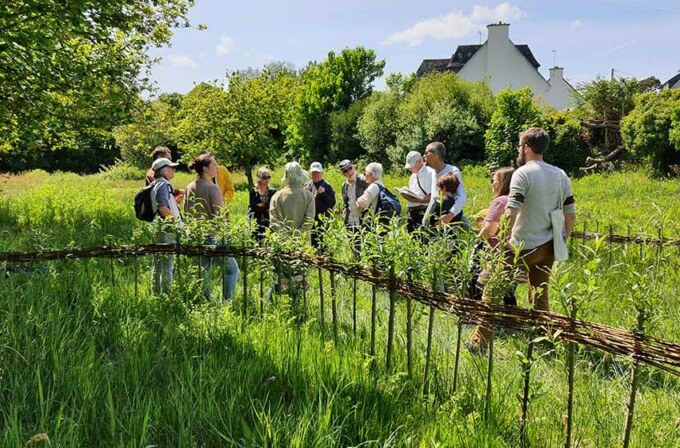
<point x="121" y="171"/>
<point x="567" y="148"/>
<point x="515" y="112"/>
<point x="651" y="132"/>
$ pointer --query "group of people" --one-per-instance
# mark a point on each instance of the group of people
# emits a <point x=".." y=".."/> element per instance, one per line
<point x="526" y="198"/>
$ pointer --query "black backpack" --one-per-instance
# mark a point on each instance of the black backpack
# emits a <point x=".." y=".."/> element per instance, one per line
<point x="388" y="205"/>
<point x="144" y="203"/>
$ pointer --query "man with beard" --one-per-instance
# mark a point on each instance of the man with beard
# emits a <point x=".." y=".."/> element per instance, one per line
<point x="434" y="156"/>
<point x="536" y="189"/>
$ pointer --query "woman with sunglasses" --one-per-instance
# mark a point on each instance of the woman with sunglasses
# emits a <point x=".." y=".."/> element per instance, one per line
<point x="258" y="206"/>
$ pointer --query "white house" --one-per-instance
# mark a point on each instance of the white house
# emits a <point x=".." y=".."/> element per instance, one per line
<point x="503" y="64"/>
<point x="673" y="83"/>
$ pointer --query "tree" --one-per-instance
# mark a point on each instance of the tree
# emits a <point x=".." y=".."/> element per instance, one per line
<point x="326" y="87"/>
<point x="152" y="126"/>
<point x="443" y="107"/>
<point x="67" y="64"/>
<point x="567" y="148"/>
<point x="612" y="99"/>
<point x="241" y="125"/>
<point x="515" y="112"/>
<point x="345" y="143"/>
<point x="651" y="132"/>
<point x="378" y="126"/>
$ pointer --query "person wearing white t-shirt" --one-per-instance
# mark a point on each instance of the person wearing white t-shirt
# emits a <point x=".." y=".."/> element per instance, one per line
<point x="434" y="156"/>
<point x="369" y="199"/>
<point x="420" y="183"/>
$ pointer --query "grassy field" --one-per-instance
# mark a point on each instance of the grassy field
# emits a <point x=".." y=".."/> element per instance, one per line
<point x="89" y="362"/>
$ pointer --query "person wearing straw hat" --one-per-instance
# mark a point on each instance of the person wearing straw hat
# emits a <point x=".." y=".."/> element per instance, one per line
<point x="324" y="196"/>
<point x="419" y="190"/>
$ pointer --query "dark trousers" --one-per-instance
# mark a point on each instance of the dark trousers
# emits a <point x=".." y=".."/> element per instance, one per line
<point x="414" y="218"/>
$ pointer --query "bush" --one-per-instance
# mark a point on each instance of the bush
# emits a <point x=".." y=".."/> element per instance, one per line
<point x="568" y="149"/>
<point x="515" y="112"/>
<point x="651" y="132"/>
<point x="345" y="143"/>
<point x="443" y="107"/>
<point x="121" y="171"/>
<point x="378" y="126"/>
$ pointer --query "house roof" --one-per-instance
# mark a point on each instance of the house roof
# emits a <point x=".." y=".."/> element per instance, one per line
<point x="462" y="55"/>
<point x="671" y="82"/>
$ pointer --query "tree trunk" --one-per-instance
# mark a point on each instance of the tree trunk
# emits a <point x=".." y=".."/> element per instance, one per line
<point x="249" y="176"/>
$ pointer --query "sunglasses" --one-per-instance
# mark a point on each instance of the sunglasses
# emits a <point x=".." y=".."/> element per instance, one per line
<point x="265" y="177"/>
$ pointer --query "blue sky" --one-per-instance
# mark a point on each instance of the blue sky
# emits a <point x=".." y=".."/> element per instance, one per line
<point x="635" y="37"/>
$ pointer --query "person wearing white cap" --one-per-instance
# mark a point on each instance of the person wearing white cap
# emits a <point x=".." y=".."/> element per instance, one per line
<point x="166" y="206"/>
<point x="420" y="184"/>
<point x="324" y="196"/>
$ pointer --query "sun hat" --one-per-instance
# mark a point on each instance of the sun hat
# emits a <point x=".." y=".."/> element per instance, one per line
<point x="316" y="167"/>
<point x="412" y="158"/>
<point x="161" y="163"/>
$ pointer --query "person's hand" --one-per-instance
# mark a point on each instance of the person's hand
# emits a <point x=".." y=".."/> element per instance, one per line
<point x="180" y="196"/>
<point x="320" y="190"/>
<point x="261" y="205"/>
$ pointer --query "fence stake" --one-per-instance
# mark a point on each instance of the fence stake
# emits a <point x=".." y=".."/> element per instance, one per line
<point x="633" y="382"/>
<point x="660" y="247"/>
<point x="354" y="307"/>
<point x="113" y="275"/>
<point x="584" y="232"/>
<point x="374" y="299"/>
<point x="525" y="395"/>
<point x="390" y="322"/>
<point x="321" y="299"/>
<point x="262" y="299"/>
<point x="428" y="352"/>
<point x="136" y="278"/>
<point x="487" y="399"/>
<point x="244" y="308"/>
<point x="611" y="237"/>
<point x="334" y="310"/>
<point x="304" y="295"/>
<point x="457" y="357"/>
<point x="570" y="394"/>
<point x="409" y="332"/>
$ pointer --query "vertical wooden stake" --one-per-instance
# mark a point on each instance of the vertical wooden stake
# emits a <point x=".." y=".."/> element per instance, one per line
<point x="409" y="334"/>
<point x="334" y="310"/>
<point x="457" y="357"/>
<point x="354" y="307"/>
<point x="304" y="295"/>
<point x="611" y="238"/>
<point x="428" y="352"/>
<point x="570" y="394"/>
<point x="244" y="307"/>
<point x="136" y="278"/>
<point x="487" y="399"/>
<point x="374" y="312"/>
<point x="113" y="275"/>
<point x="525" y="394"/>
<point x="321" y="299"/>
<point x="262" y="298"/>
<point x="633" y="383"/>
<point x="390" y="322"/>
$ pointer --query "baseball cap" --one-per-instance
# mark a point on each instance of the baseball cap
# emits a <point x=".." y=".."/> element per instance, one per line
<point x="162" y="163"/>
<point x="412" y="158"/>
<point x="345" y="164"/>
<point x="316" y="167"/>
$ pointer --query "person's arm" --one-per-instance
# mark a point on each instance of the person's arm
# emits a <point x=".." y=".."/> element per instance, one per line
<point x="367" y="198"/>
<point x="216" y="200"/>
<point x="518" y="187"/>
<point x="310" y="210"/>
<point x="569" y="220"/>
<point x="488" y="230"/>
<point x="274" y="218"/>
<point x="328" y="196"/>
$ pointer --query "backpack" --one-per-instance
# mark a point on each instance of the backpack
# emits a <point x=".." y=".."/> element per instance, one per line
<point x="144" y="206"/>
<point x="388" y="205"/>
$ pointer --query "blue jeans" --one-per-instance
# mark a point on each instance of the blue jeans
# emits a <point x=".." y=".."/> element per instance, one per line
<point x="229" y="274"/>
<point x="163" y="266"/>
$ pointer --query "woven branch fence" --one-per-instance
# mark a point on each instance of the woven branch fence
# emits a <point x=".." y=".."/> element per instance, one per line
<point x="641" y="348"/>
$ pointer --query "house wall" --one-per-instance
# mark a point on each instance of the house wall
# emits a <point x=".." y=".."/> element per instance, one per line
<point x="503" y="66"/>
<point x="560" y="94"/>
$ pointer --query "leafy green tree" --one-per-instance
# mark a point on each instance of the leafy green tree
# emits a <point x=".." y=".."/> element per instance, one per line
<point x="603" y="99"/>
<point x="326" y="87"/>
<point x="651" y="132"/>
<point x="515" y="112"/>
<point x="242" y="124"/>
<point x="446" y="108"/>
<point x="345" y="142"/>
<point x="152" y="126"/>
<point x="378" y="127"/>
<point x="68" y="63"/>
<point x="567" y="149"/>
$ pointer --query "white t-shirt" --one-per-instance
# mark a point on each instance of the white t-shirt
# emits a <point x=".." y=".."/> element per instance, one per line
<point x="420" y="183"/>
<point x="370" y="197"/>
<point x="460" y="195"/>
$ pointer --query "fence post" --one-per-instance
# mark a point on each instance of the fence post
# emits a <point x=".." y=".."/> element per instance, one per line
<point x="354" y="307"/>
<point x="633" y="381"/>
<point x="374" y="299"/>
<point x="660" y="235"/>
<point x="390" y="322"/>
<point x="244" y="308"/>
<point x="304" y="295"/>
<point x="487" y="398"/>
<point x="584" y="232"/>
<point x="570" y="394"/>
<point x="262" y="290"/>
<point x="334" y="311"/>
<point x="611" y="238"/>
<point x="113" y="275"/>
<point x="525" y="395"/>
<point x="321" y="299"/>
<point x="409" y="331"/>
<point x="136" y="266"/>
<point x="428" y="352"/>
<point x="457" y="356"/>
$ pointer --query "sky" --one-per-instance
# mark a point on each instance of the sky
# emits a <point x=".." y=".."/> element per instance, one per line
<point x="636" y="38"/>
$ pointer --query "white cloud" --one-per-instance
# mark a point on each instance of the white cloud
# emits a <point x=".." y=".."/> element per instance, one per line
<point x="225" y="46"/>
<point x="181" y="61"/>
<point x="575" y="25"/>
<point x="455" y="24"/>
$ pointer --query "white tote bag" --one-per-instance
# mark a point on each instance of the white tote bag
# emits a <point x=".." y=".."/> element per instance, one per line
<point x="559" y="231"/>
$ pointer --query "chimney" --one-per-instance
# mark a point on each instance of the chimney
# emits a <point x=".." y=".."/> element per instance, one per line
<point x="498" y="33"/>
<point x="556" y="74"/>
